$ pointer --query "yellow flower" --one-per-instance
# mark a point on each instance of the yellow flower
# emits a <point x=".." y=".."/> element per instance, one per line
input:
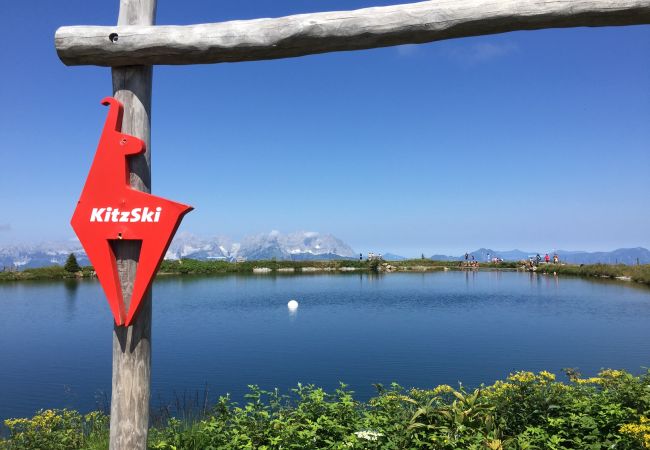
<point x="443" y="389"/>
<point x="499" y="387"/>
<point x="522" y="377"/>
<point x="546" y="376"/>
<point x="639" y="431"/>
<point x="610" y="373"/>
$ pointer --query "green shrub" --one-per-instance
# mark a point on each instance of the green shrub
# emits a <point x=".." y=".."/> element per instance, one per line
<point x="47" y="429"/>
<point x="526" y="411"/>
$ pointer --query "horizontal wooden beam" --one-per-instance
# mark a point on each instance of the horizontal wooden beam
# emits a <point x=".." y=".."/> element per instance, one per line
<point x="304" y="34"/>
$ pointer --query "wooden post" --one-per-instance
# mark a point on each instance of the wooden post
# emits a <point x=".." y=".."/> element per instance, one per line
<point x="131" y="385"/>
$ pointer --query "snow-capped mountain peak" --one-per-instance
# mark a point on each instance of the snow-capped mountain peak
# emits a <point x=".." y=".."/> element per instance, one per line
<point x="298" y="245"/>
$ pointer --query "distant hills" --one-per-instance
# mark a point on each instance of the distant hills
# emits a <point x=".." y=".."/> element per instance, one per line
<point x="393" y="257"/>
<point x="620" y="256"/>
<point x="298" y="246"/>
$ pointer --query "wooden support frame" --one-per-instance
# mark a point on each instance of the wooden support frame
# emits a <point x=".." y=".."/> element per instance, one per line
<point x="135" y="44"/>
<point x="306" y="34"/>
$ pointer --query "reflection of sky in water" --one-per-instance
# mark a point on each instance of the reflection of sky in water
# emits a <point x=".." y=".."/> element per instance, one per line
<point x="417" y="329"/>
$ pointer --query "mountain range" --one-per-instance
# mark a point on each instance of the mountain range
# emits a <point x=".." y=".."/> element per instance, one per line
<point x="298" y="246"/>
<point x="302" y="245"/>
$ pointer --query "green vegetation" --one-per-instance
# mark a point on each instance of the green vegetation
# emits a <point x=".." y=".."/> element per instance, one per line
<point x="640" y="274"/>
<point x="525" y="411"/>
<point x="195" y="267"/>
<point x="45" y="273"/>
<point x="71" y="264"/>
<point x="57" y="430"/>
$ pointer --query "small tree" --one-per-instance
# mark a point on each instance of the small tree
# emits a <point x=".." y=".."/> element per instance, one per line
<point x="71" y="264"/>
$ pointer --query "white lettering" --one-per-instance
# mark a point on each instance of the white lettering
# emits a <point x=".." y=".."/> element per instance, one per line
<point x="147" y="216"/>
<point x="96" y="214"/>
<point x="135" y="214"/>
<point x="109" y="214"/>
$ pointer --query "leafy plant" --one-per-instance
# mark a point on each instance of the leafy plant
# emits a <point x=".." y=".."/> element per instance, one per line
<point x="525" y="411"/>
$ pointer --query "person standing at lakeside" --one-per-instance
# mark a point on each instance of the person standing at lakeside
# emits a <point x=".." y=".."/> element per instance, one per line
<point x="547" y="258"/>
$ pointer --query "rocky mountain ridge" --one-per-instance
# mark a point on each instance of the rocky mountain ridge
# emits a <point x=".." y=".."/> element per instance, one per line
<point x="302" y="245"/>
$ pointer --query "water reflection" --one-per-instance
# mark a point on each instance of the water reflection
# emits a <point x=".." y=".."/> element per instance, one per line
<point x="71" y="288"/>
<point x="470" y="277"/>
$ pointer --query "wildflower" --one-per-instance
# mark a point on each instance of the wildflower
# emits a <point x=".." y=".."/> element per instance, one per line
<point x="368" y="435"/>
<point x="639" y="431"/>
<point x="500" y="387"/>
<point x="610" y="373"/>
<point x="546" y="376"/>
<point x="443" y="389"/>
<point x="522" y="377"/>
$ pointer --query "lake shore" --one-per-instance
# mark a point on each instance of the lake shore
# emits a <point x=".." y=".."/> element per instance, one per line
<point x="639" y="274"/>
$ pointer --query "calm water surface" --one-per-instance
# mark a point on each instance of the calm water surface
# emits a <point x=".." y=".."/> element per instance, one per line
<point x="417" y="329"/>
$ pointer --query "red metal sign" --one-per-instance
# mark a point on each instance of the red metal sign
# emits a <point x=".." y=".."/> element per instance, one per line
<point x="109" y="209"/>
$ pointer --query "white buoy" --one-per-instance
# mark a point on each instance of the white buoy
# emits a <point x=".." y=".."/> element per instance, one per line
<point x="292" y="305"/>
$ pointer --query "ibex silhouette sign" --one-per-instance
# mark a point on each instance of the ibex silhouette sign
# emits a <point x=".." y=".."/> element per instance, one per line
<point x="109" y="209"/>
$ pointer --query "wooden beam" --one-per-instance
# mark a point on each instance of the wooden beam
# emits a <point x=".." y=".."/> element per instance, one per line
<point x="306" y="34"/>
<point x="131" y="385"/>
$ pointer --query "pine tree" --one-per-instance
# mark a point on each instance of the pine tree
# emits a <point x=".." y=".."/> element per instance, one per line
<point x="71" y="264"/>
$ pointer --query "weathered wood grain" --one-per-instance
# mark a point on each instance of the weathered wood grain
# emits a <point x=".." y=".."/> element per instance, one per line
<point x="305" y="34"/>
<point x="131" y="385"/>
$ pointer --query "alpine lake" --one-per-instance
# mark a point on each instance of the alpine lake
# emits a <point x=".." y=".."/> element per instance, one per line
<point x="219" y="334"/>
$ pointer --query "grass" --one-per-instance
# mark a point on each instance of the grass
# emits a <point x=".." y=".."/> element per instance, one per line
<point x="639" y="274"/>
<point x="195" y="267"/>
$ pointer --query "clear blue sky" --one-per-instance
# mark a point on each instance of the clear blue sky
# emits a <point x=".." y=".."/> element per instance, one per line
<point x="533" y="140"/>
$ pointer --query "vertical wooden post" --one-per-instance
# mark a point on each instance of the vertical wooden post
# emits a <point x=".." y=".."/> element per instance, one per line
<point x="131" y="385"/>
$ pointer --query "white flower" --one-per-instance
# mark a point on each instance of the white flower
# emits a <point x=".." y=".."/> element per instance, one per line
<point x="368" y="435"/>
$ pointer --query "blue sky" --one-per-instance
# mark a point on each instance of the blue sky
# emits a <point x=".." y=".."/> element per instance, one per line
<point x="533" y="140"/>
